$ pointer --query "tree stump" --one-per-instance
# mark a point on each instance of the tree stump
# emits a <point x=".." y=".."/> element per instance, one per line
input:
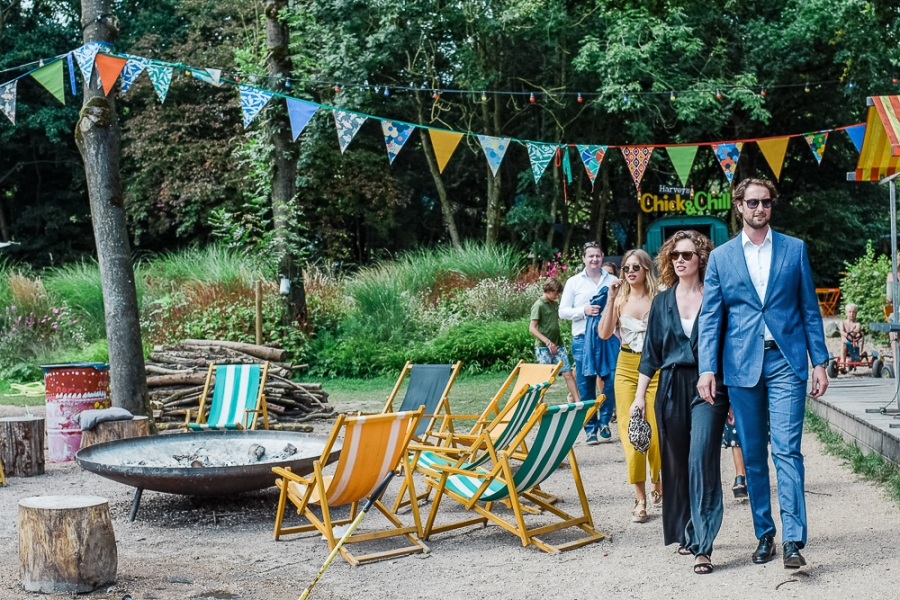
<point x="22" y="446"/>
<point x="66" y="544"/>
<point x="115" y="430"/>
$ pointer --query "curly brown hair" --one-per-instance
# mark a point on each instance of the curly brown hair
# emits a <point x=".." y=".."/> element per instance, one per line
<point x="702" y="246"/>
<point x="741" y="189"/>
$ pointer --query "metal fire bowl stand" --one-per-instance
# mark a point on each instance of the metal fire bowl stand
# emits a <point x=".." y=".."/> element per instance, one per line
<point x="107" y="460"/>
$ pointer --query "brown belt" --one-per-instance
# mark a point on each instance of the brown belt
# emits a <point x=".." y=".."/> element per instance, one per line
<point x="627" y="349"/>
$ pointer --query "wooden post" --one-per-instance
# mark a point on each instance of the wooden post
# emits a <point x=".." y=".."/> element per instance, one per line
<point x="257" y="287"/>
<point x="22" y="446"/>
<point x="66" y="544"/>
<point x="115" y="430"/>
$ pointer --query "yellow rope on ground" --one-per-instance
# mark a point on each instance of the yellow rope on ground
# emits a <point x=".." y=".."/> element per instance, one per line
<point x="31" y="390"/>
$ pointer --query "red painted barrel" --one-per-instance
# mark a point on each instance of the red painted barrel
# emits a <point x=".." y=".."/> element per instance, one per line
<point x="70" y="389"/>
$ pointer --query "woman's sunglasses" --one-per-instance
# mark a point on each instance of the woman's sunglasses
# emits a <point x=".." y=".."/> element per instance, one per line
<point x="685" y="256"/>
<point x="631" y="269"/>
<point x="754" y="204"/>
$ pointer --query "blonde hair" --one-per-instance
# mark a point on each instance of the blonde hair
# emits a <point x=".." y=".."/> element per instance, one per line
<point x="650" y="282"/>
<point x="702" y="245"/>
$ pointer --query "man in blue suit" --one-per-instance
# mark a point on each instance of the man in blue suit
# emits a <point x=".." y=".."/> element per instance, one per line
<point x="759" y="322"/>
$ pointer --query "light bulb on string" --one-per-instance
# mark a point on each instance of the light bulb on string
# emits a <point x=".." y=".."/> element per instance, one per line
<point x="763" y="92"/>
<point x="436" y="94"/>
<point x="531" y="98"/>
<point x="672" y="96"/>
<point x="894" y="80"/>
<point x="287" y="83"/>
<point x="337" y="88"/>
<point x="484" y="96"/>
<point x="580" y="99"/>
<point x="852" y="85"/>
<point x="806" y="89"/>
<point x="718" y="95"/>
<point x="387" y="92"/>
<point x="627" y="100"/>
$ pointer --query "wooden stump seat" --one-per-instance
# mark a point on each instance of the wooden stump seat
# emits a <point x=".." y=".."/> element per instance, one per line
<point x="22" y="446"/>
<point x="115" y="430"/>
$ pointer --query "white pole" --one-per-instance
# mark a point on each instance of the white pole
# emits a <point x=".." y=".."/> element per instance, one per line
<point x="894" y="287"/>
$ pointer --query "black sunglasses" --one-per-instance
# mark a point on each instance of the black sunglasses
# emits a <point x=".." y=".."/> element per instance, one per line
<point x="591" y="245"/>
<point x="632" y="268"/>
<point x="685" y="256"/>
<point x="754" y="204"/>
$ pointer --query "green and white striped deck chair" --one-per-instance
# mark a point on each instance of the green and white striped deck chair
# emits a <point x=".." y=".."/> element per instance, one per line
<point x="478" y="490"/>
<point x="511" y="419"/>
<point x="237" y="400"/>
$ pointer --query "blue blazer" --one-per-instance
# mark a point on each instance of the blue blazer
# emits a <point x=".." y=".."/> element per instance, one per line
<point x="790" y="310"/>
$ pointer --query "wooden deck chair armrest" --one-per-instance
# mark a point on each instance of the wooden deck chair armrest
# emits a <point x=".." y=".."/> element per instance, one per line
<point x="187" y="414"/>
<point x="456" y="416"/>
<point x="468" y="472"/>
<point x="437" y="449"/>
<point x="291" y="475"/>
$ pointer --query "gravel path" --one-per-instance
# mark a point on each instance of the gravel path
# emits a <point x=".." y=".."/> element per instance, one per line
<point x="193" y="548"/>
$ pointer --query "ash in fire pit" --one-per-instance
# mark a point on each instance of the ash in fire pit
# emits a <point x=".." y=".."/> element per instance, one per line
<point x="213" y="453"/>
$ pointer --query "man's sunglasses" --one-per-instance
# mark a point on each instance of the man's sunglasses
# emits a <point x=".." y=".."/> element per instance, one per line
<point x="632" y="269"/>
<point x="754" y="204"/>
<point x="685" y="256"/>
<point x="591" y="245"/>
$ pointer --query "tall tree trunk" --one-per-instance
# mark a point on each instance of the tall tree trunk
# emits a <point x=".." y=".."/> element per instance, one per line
<point x="284" y="161"/>
<point x="97" y="137"/>
<point x="446" y="209"/>
<point x="491" y="114"/>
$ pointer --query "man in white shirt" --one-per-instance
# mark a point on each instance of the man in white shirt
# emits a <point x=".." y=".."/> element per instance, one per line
<point x="575" y="305"/>
<point x="760" y="325"/>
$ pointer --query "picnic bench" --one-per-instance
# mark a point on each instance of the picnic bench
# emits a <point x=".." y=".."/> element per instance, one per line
<point x="828" y="300"/>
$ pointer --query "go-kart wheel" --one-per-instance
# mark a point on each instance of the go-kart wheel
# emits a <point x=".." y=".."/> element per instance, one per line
<point x="887" y="371"/>
<point x="877" y="365"/>
<point x="832" y="369"/>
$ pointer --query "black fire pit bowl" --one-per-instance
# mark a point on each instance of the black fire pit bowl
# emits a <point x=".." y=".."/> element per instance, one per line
<point x="120" y="460"/>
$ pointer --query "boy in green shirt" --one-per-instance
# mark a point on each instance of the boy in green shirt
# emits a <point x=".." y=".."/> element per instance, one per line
<point x="548" y="347"/>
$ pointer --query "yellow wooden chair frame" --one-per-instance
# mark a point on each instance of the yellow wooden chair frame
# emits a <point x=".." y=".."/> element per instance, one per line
<point x="442" y="410"/>
<point x="366" y="466"/>
<point x="261" y="408"/>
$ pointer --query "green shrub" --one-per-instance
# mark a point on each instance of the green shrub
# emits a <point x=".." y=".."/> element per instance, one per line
<point x="214" y="263"/>
<point x="864" y="285"/>
<point x="481" y="346"/>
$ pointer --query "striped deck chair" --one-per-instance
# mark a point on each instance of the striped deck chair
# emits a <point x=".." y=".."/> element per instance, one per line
<point x="372" y="446"/>
<point x="429" y="386"/>
<point x="423" y="458"/>
<point x="557" y="429"/>
<point x="237" y="400"/>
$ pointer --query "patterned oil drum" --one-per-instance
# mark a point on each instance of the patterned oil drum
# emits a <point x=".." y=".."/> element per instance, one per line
<point x="70" y="389"/>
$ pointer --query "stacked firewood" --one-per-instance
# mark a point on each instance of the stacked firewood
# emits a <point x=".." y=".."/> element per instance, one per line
<point x="176" y="376"/>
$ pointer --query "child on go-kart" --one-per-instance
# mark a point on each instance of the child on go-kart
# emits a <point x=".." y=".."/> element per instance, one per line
<point x="852" y="336"/>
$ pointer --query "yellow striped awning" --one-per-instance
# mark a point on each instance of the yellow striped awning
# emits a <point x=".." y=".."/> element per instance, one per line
<point x="880" y="154"/>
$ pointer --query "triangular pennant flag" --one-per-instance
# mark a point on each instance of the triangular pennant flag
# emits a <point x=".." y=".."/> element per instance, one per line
<point x="728" y="155"/>
<point x="857" y="133"/>
<point x="253" y="100"/>
<point x="300" y="113"/>
<point x="817" y="143"/>
<point x="8" y="100"/>
<point x="774" y="150"/>
<point x="51" y="77"/>
<point x="682" y="158"/>
<point x="71" y="64"/>
<point x="395" y="135"/>
<point x="109" y="67"/>
<point x="347" y="126"/>
<point x="540" y="155"/>
<point x="637" y="158"/>
<point x="444" y="143"/>
<point x="161" y="77"/>
<point x="494" y="149"/>
<point x="85" y="57"/>
<point x="592" y="156"/>
<point x="133" y="68"/>
<point x="210" y="76"/>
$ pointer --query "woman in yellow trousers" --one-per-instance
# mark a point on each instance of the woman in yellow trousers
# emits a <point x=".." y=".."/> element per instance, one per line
<point x="627" y="308"/>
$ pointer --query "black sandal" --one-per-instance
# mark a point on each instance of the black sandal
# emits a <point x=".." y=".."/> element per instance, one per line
<point x="740" y="488"/>
<point x="684" y="551"/>
<point x="703" y="568"/>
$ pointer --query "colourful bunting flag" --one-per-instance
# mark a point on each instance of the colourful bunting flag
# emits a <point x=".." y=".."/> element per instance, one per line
<point x="395" y="135"/>
<point x="774" y="150"/>
<point x="494" y="149"/>
<point x="540" y="155"/>
<point x="682" y="158"/>
<point x="728" y="155"/>
<point x="210" y="76"/>
<point x="253" y="100"/>
<point x="592" y="156"/>
<point x="857" y="133"/>
<point x="161" y="77"/>
<point x="8" y="100"/>
<point x="637" y="158"/>
<point x="817" y="143"/>
<point x="108" y="69"/>
<point x="51" y="77"/>
<point x="133" y="68"/>
<point x="300" y="113"/>
<point x="85" y="57"/>
<point x="444" y="143"/>
<point x="71" y="63"/>
<point x="347" y="126"/>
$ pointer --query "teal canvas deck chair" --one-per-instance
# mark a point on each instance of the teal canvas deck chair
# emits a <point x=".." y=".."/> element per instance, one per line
<point x="429" y="386"/>
<point x="237" y="400"/>
<point x="479" y="490"/>
<point x="482" y="448"/>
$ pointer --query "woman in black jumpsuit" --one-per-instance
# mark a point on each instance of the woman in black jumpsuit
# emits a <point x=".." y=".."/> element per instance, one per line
<point x="690" y="428"/>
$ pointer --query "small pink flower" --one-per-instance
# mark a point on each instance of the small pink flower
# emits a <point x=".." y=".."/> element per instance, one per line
<point x="563" y="267"/>
<point x="55" y="310"/>
<point x="54" y="326"/>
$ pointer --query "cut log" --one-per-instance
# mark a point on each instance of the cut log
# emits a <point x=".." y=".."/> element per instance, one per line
<point x="66" y="544"/>
<point x="163" y="371"/>
<point x="115" y="430"/>
<point x="263" y="352"/>
<point x="186" y="379"/>
<point x="22" y="446"/>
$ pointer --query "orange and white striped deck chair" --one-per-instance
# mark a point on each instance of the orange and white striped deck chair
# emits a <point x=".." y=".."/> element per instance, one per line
<point x="372" y="446"/>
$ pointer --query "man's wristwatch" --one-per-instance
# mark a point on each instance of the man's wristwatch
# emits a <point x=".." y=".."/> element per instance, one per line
<point x="824" y="365"/>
